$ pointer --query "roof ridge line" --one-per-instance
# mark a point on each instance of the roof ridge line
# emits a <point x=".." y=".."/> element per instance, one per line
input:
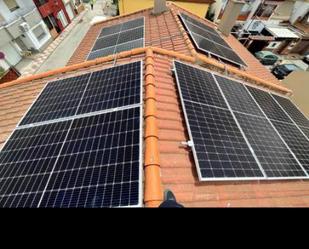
<point x="153" y="193"/>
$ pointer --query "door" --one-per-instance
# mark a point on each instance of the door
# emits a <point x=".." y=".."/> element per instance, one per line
<point x="62" y="19"/>
<point x="69" y="10"/>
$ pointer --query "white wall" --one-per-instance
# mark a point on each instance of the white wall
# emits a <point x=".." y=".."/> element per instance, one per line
<point x="10" y="16"/>
<point x="300" y="9"/>
<point x="11" y="54"/>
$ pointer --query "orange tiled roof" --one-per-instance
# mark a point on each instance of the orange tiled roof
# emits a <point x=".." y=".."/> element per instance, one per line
<point x="167" y="163"/>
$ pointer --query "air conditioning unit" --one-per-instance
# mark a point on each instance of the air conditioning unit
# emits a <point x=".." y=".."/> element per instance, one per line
<point x="24" y="27"/>
<point x="256" y="25"/>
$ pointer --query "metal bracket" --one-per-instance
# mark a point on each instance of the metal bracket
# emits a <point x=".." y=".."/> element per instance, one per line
<point x="187" y="144"/>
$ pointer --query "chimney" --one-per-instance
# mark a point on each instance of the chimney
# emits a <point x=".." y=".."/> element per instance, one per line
<point x="159" y="7"/>
<point x="230" y="15"/>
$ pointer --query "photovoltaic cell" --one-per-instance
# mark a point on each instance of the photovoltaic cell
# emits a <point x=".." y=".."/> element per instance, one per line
<point x="275" y="158"/>
<point x="59" y="99"/>
<point x="269" y="105"/>
<point x="238" y="97"/>
<point x="292" y="111"/>
<point x="220" y="147"/>
<point x="113" y="87"/>
<point x="198" y="86"/>
<point x="99" y="165"/>
<point x="296" y="141"/>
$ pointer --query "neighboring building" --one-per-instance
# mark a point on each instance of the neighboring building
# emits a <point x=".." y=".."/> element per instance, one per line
<point x="21" y="29"/>
<point x="57" y="14"/>
<point x="168" y="162"/>
<point x="198" y="7"/>
<point x="298" y="82"/>
<point x="279" y="26"/>
<point x="259" y="9"/>
<point x="300" y="22"/>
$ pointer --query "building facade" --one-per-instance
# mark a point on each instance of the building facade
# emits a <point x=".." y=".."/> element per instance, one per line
<point x="198" y="7"/>
<point x="21" y="30"/>
<point x="279" y="26"/>
<point x="57" y="14"/>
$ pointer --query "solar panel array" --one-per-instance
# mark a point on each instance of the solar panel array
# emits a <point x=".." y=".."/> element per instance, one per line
<point x="78" y="146"/>
<point x="239" y="132"/>
<point x="208" y="40"/>
<point x="118" y="38"/>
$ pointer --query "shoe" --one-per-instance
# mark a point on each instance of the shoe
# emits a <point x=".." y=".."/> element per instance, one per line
<point x="169" y="196"/>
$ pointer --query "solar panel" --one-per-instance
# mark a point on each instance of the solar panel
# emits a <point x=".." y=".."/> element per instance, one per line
<point x="112" y="88"/>
<point x="268" y="105"/>
<point x="133" y="24"/>
<point x="110" y="30"/>
<point x="238" y="97"/>
<point x="83" y="160"/>
<point x="106" y="42"/>
<point x="198" y="86"/>
<point x="129" y="45"/>
<point x="109" y="88"/>
<point x="231" y="131"/>
<point x="208" y="40"/>
<point x="59" y="99"/>
<point x="292" y="111"/>
<point x="99" y="165"/>
<point x="118" y="38"/>
<point x="198" y="24"/>
<point x="298" y="143"/>
<point x="221" y="150"/>
<point x="206" y="34"/>
<point x="26" y="162"/>
<point x="131" y="35"/>
<point x="275" y="158"/>
<point x="87" y="162"/>
<point x="101" y="53"/>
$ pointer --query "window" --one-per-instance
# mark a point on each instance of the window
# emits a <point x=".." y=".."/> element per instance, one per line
<point x="39" y="32"/>
<point x="11" y="4"/>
